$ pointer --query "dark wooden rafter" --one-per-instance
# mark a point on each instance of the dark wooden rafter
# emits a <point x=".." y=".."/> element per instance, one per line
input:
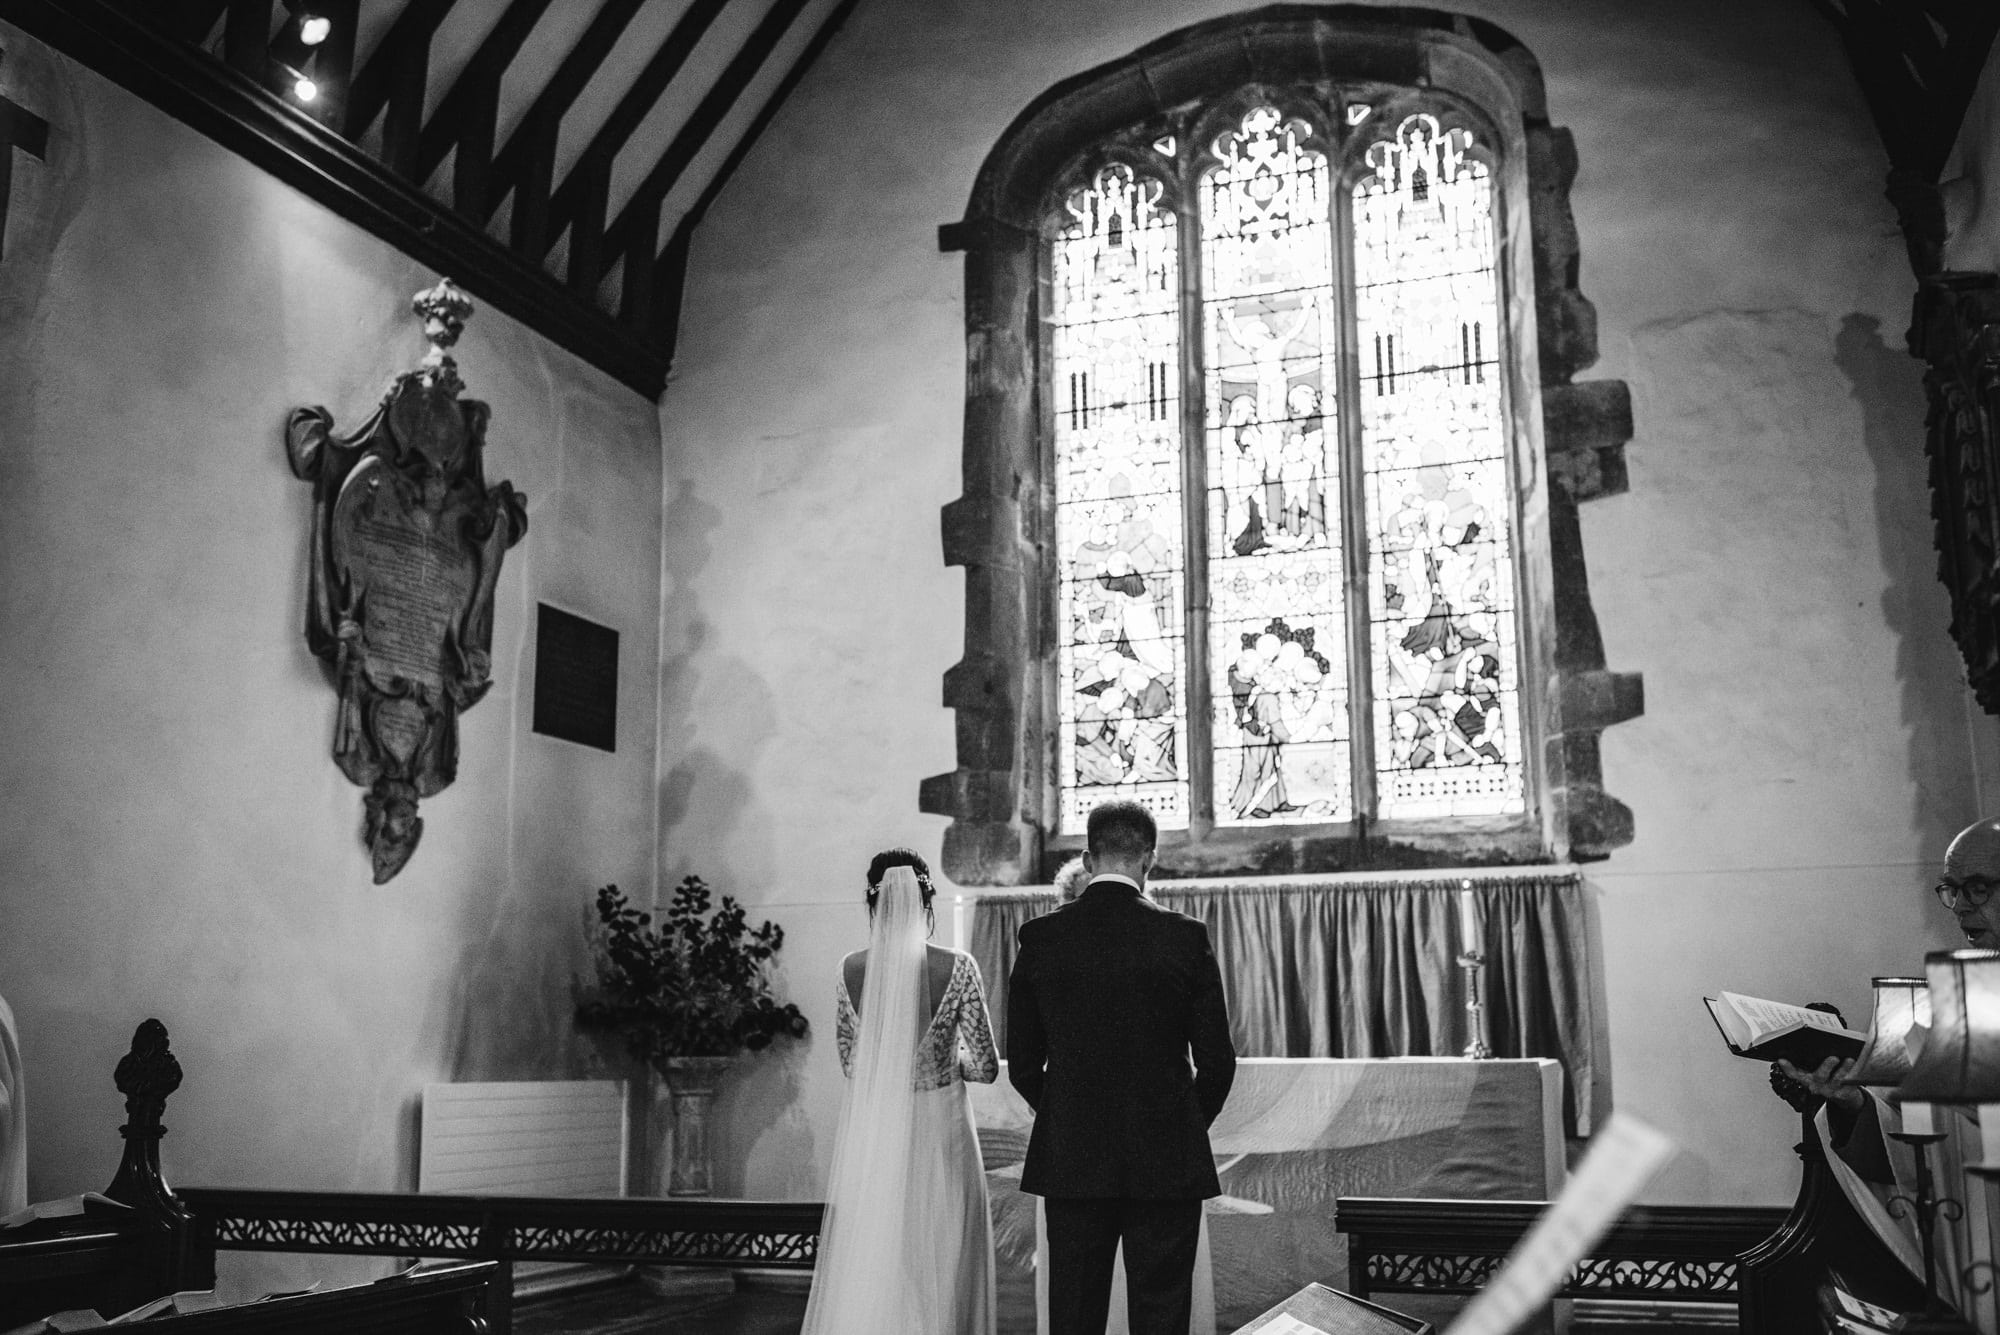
<point x="527" y="164"/>
<point x="591" y="170"/>
<point x="465" y="117"/>
<point x="23" y="129"/>
<point x="246" y="118"/>
<point x="1917" y="62"/>
<point x="628" y="231"/>
<point x="386" y="73"/>
<point x="229" y="67"/>
<point x="246" y="38"/>
<point x="190" y="20"/>
<point x="667" y="271"/>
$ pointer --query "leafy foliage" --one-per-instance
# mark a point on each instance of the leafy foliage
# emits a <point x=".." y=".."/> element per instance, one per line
<point x="695" y="985"/>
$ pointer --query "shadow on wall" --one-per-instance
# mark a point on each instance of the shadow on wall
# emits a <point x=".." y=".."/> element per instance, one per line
<point x="512" y="1012"/>
<point x="716" y="714"/>
<point x="760" y="1118"/>
<point x="1888" y="387"/>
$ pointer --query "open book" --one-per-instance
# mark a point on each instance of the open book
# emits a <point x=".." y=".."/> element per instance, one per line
<point x="1767" y="1030"/>
<point x="90" y="1203"/>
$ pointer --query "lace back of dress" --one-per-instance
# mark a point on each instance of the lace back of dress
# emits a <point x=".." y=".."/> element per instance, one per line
<point x="861" y="1280"/>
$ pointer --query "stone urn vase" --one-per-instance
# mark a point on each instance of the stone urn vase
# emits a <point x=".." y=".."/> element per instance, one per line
<point x="691" y="1083"/>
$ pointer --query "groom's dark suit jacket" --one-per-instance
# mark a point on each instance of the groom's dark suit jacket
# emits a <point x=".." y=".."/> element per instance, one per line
<point x="1109" y="996"/>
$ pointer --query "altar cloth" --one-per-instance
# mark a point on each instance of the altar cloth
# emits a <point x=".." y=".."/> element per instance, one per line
<point x="1297" y="1134"/>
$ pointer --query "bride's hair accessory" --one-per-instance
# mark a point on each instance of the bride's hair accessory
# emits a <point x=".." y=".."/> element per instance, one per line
<point x="901" y="857"/>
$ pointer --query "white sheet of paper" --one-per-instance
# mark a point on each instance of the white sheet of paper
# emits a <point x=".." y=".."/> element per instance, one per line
<point x="1623" y="1158"/>
<point x="1770" y="1016"/>
<point x="1287" y="1324"/>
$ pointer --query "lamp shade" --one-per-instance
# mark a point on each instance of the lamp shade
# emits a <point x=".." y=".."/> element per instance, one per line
<point x="1900" y="1004"/>
<point x="1960" y="1062"/>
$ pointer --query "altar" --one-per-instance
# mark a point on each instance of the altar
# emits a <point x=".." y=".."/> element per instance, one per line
<point x="1298" y="1133"/>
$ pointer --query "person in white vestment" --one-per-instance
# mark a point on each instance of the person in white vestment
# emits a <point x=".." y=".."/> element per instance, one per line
<point x="906" y="1247"/>
<point x="1856" y="1124"/>
<point x="13" y="1118"/>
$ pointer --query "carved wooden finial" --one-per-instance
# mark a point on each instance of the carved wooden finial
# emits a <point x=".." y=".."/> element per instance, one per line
<point x="149" y="1072"/>
<point x="145" y="1076"/>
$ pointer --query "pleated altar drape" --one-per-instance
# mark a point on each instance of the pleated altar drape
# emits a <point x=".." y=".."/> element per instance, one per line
<point x="1367" y="968"/>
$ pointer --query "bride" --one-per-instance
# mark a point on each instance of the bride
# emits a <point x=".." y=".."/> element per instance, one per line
<point x="906" y="1247"/>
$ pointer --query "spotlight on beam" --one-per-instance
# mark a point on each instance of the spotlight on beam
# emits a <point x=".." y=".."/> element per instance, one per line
<point x="305" y="89"/>
<point x="314" y="29"/>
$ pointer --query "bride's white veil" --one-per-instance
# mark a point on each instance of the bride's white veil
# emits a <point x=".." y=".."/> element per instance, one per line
<point x="861" y="1281"/>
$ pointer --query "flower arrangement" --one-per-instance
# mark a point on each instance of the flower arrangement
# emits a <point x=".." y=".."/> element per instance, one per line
<point x="694" y="985"/>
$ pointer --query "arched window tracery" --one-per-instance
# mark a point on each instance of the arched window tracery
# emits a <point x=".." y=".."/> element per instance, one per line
<point x="1284" y="542"/>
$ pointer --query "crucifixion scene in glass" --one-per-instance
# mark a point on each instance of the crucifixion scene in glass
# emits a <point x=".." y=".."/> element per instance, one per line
<point x="1295" y="603"/>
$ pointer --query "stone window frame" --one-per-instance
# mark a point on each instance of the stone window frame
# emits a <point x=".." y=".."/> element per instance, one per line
<point x="1568" y="447"/>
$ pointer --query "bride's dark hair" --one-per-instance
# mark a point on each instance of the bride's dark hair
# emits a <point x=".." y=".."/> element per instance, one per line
<point x="900" y="857"/>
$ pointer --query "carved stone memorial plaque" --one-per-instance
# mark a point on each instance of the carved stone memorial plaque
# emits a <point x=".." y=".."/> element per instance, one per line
<point x="406" y="548"/>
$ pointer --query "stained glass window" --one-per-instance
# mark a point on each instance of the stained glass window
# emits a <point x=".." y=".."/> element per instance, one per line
<point x="1434" y="444"/>
<point x="1122" y="664"/>
<point x="1277" y="663"/>
<point x="1352" y="561"/>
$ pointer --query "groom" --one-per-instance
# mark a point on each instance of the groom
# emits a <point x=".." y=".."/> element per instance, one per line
<point x="1109" y="996"/>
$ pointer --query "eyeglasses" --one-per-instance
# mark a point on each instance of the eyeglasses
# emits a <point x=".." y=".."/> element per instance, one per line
<point x="1972" y="892"/>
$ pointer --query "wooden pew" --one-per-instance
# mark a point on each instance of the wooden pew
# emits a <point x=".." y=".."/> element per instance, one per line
<point x="112" y="1262"/>
<point x="1766" y="1264"/>
<point x="781" y="1235"/>
<point x="167" y="1241"/>
<point x="451" y="1301"/>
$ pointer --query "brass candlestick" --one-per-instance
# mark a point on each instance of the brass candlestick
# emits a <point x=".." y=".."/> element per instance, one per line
<point x="1474" y="962"/>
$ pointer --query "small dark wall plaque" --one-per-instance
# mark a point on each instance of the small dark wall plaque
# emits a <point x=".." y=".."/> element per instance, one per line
<point x="576" y="679"/>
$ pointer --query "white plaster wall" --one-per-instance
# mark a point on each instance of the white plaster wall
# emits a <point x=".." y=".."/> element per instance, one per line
<point x="175" y="839"/>
<point x="1806" y="749"/>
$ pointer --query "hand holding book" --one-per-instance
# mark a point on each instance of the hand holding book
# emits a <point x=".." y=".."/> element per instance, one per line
<point x="1825" y="1081"/>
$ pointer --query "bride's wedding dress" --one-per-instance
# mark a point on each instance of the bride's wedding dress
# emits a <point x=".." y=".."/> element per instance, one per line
<point x="906" y="1247"/>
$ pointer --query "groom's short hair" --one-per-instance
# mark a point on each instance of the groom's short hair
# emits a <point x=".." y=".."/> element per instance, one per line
<point x="1121" y="829"/>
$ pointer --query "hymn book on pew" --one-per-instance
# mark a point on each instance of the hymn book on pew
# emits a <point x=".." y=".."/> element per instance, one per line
<point x="65" y="1207"/>
<point x="1766" y="1031"/>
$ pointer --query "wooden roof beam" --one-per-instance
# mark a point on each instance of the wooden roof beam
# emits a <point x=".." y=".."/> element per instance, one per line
<point x="471" y="108"/>
<point x="631" y="110"/>
<point x="735" y="78"/>
<point x="372" y="88"/>
<point x="658" y="311"/>
<point x="527" y="159"/>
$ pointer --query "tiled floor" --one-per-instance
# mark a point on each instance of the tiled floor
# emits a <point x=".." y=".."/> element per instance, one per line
<point x="632" y="1309"/>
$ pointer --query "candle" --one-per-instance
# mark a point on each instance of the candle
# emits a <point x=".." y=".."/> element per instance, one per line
<point x="1917" y="1120"/>
<point x="1468" y="922"/>
<point x="1989" y="1134"/>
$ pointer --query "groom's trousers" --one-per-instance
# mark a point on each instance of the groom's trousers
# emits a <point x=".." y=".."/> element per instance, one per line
<point x="1160" y="1238"/>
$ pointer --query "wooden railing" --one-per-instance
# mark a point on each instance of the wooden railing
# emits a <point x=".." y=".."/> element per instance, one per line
<point x="1768" y="1263"/>
<point x="780" y="1234"/>
<point x="1670" y="1253"/>
<point x="506" y="1229"/>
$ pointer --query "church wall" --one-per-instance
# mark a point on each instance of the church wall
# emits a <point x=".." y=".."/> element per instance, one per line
<point x="1806" y="749"/>
<point x="176" y="841"/>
